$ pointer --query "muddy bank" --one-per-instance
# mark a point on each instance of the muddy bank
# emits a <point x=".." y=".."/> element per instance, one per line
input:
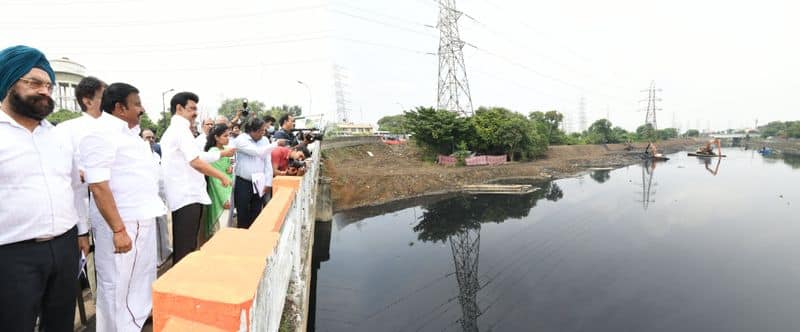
<point x="396" y="172"/>
<point x="780" y="145"/>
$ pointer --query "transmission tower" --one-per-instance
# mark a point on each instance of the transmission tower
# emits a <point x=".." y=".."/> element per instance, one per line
<point x="648" y="168"/>
<point x="453" y="88"/>
<point x="340" y="89"/>
<point x="466" y="246"/>
<point x="582" y="115"/>
<point x="651" y="105"/>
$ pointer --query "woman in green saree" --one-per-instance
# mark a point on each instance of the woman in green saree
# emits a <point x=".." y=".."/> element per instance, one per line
<point x="217" y="215"/>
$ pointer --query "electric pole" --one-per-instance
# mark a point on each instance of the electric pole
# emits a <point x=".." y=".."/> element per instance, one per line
<point x="651" y="105"/>
<point x="453" y="88"/>
<point x="342" y="107"/>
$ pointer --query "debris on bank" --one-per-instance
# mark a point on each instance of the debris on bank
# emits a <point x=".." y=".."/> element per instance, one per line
<point x="507" y="189"/>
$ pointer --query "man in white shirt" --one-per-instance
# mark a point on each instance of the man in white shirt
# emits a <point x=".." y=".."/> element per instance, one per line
<point x="205" y="127"/>
<point x="123" y="177"/>
<point x="89" y="94"/>
<point x="184" y="165"/>
<point x="253" y="171"/>
<point x="38" y="235"/>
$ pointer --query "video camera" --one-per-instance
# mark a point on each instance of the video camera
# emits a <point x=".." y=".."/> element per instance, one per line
<point x="296" y="163"/>
<point x="245" y="109"/>
<point x="309" y="134"/>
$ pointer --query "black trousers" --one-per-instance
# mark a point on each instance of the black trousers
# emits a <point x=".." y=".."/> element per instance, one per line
<point x="248" y="204"/>
<point x="39" y="277"/>
<point x="185" y="225"/>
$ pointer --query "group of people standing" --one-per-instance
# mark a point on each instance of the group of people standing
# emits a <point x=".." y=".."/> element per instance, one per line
<point x="96" y="176"/>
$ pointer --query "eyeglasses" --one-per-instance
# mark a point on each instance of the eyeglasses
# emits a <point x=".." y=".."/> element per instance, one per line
<point x="149" y="137"/>
<point x="37" y="84"/>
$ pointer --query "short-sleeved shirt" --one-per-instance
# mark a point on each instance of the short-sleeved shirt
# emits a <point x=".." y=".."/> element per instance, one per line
<point x="287" y="135"/>
<point x="281" y="156"/>
<point x="115" y="153"/>
<point x="183" y="185"/>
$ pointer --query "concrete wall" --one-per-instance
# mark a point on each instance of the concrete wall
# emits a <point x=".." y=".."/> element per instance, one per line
<point x="345" y="141"/>
<point x="239" y="280"/>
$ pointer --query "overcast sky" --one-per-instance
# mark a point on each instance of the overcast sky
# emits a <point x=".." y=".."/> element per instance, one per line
<point x="718" y="63"/>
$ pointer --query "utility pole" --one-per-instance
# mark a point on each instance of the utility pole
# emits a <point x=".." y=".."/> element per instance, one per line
<point x="651" y="105"/>
<point x="453" y="88"/>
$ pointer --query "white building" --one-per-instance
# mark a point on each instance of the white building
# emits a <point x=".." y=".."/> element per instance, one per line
<point x="68" y="74"/>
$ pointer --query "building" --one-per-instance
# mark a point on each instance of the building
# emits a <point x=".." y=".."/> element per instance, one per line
<point x="354" y="129"/>
<point x="68" y="74"/>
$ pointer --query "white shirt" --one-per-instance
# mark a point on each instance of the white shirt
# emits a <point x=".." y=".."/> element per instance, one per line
<point x="115" y="153"/>
<point x="183" y="184"/>
<point x="200" y="141"/>
<point x="76" y="129"/>
<point x="36" y="199"/>
<point x="253" y="157"/>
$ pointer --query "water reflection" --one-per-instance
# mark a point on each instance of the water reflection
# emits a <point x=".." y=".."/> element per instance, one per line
<point x="792" y="160"/>
<point x="464" y="212"/>
<point x="704" y="259"/>
<point x="600" y="176"/>
<point x="648" y="169"/>
<point x="458" y="221"/>
<point x="707" y="163"/>
<point x="320" y="254"/>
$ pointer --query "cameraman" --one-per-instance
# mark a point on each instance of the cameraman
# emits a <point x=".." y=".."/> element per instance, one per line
<point x="285" y="132"/>
<point x="270" y="126"/>
<point x="286" y="161"/>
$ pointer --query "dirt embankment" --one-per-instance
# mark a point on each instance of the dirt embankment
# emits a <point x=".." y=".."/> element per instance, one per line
<point x="396" y="171"/>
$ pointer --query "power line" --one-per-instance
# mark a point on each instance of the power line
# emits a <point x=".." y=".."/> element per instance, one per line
<point x="195" y="68"/>
<point x="170" y="21"/>
<point x="367" y="19"/>
<point x="156" y="50"/>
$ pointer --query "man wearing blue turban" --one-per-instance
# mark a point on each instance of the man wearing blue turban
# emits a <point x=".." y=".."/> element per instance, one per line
<point x="39" y="254"/>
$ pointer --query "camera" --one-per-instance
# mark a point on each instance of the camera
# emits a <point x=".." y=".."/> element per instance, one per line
<point x="309" y="134"/>
<point x="296" y="163"/>
<point x="245" y="109"/>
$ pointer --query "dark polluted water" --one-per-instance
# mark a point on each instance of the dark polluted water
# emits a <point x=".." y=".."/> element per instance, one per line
<point x="685" y="245"/>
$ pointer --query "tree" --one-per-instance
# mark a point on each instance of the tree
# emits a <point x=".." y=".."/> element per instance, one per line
<point x="499" y="130"/>
<point x="62" y="115"/>
<point x="231" y="105"/>
<point x="692" y="133"/>
<point x="665" y="134"/>
<point x="600" y="132"/>
<point x="439" y="131"/>
<point x="774" y="128"/>
<point x="646" y="132"/>
<point x="278" y="111"/>
<point x="146" y="123"/>
<point x="550" y="122"/>
<point x="793" y="129"/>
<point x="394" y="124"/>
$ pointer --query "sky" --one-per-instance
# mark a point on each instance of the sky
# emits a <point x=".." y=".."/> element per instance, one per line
<point x="717" y="64"/>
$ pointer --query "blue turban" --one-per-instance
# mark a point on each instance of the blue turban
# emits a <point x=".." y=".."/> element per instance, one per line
<point x="16" y="61"/>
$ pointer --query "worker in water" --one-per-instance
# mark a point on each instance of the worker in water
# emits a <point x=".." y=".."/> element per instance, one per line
<point x="651" y="150"/>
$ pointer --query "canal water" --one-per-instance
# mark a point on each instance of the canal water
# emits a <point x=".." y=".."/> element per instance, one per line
<point x="683" y="245"/>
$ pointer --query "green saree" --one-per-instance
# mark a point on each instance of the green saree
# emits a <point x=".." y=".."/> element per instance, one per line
<point x="219" y="194"/>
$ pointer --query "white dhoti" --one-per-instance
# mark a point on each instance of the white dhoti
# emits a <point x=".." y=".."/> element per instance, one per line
<point x="124" y="298"/>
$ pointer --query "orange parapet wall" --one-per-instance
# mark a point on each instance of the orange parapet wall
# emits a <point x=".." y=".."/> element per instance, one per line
<point x="214" y="289"/>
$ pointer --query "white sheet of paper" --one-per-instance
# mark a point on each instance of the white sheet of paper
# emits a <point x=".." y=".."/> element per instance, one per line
<point x="259" y="181"/>
<point x="81" y="264"/>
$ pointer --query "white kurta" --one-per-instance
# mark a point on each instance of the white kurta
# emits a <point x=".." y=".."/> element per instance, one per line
<point x="116" y="154"/>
